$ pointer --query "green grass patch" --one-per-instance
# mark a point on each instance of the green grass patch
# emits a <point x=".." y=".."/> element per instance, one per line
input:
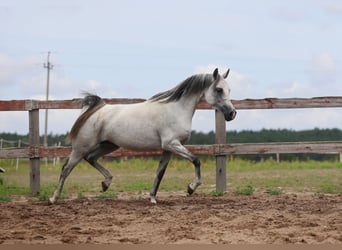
<point x="107" y="195"/>
<point x="274" y="191"/>
<point x="137" y="175"/>
<point x="245" y="190"/>
<point x="43" y="195"/>
<point x="216" y="193"/>
<point x="80" y="196"/>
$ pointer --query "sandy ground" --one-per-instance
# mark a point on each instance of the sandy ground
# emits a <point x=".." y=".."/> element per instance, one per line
<point x="261" y="218"/>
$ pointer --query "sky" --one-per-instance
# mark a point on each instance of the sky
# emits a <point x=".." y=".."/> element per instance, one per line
<point x="135" y="49"/>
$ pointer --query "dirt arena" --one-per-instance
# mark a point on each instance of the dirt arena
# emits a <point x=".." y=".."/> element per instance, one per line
<point x="260" y="218"/>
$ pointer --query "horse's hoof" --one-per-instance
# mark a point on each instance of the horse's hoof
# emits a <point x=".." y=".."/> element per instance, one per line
<point x="153" y="200"/>
<point x="104" y="186"/>
<point x="190" y="190"/>
<point x="51" y="201"/>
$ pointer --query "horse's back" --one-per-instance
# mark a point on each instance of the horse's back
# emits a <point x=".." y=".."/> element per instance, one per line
<point x="130" y="126"/>
<point x="139" y="126"/>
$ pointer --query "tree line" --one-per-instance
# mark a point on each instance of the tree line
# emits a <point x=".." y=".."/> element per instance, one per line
<point x="269" y="135"/>
<point x="274" y="135"/>
<point x="244" y="136"/>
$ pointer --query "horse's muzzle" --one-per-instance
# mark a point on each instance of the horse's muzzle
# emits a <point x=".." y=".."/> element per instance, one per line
<point x="230" y="115"/>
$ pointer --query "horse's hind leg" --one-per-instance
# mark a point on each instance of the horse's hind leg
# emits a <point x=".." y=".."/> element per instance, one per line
<point x="101" y="149"/>
<point x="160" y="173"/>
<point x="66" y="170"/>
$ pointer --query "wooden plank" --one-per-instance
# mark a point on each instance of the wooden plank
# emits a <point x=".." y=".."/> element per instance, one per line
<point x="273" y="148"/>
<point x="10" y="153"/>
<point x="220" y="128"/>
<point x="77" y="103"/>
<point x="65" y="151"/>
<point x="34" y="160"/>
<point x="209" y="150"/>
<point x="60" y="104"/>
<point x="266" y="103"/>
<point x="13" y="105"/>
<point x="123" y="100"/>
<point x="289" y="103"/>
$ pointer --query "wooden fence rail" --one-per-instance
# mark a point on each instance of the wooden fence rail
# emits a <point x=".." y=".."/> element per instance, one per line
<point x="322" y="147"/>
<point x="266" y="103"/>
<point x="220" y="150"/>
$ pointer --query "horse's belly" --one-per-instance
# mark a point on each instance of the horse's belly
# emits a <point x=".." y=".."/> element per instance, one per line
<point x="138" y="144"/>
<point x="136" y="140"/>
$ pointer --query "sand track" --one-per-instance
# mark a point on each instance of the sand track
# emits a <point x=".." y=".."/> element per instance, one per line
<point x="287" y="218"/>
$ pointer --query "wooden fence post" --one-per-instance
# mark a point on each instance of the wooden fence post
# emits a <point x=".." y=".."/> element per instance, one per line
<point x="34" y="144"/>
<point x="220" y="127"/>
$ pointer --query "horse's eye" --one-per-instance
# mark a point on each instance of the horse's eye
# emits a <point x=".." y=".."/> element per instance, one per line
<point x="219" y="90"/>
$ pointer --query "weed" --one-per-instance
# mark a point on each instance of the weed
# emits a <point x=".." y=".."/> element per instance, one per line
<point x="274" y="191"/>
<point x="216" y="193"/>
<point x="4" y="195"/>
<point x="80" y="196"/>
<point x="107" y="195"/>
<point x="245" y="190"/>
<point x="5" y="198"/>
<point x="43" y="195"/>
<point x="329" y="188"/>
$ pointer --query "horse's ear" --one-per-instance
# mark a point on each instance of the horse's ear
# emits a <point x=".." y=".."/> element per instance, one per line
<point x="226" y="74"/>
<point x="215" y="74"/>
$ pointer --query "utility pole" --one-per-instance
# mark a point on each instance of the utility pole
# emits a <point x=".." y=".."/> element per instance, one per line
<point x="49" y="67"/>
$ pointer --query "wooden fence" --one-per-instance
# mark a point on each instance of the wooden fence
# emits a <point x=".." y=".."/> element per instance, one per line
<point x="220" y="150"/>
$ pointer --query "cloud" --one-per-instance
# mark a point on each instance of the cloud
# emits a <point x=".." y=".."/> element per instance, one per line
<point x="334" y="8"/>
<point x="322" y="69"/>
<point x="6" y="69"/>
<point x="319" y="79"/>
<point x="297" y="89"/>
<point x="14" y="122"/>
<point x="26" y="78"/>
<point x="289" y="14"/>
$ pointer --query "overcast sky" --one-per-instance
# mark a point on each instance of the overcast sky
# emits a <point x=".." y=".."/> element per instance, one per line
<point x="139" y="48"/>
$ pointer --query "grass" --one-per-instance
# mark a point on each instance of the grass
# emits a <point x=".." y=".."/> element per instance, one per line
<point x="216" y="193"/>
<point x="274" y="191"/>
<point x="107" y="195"/>
<point x="137" y="175"/>
<point x="245" y="190"/>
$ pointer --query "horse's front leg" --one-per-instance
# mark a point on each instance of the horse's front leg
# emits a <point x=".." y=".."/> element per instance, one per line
<point x="194" y="185"/>
<point x="177" y="148"/>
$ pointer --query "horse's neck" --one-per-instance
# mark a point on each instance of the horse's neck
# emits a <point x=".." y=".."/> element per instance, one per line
<point x="190" y="103"/>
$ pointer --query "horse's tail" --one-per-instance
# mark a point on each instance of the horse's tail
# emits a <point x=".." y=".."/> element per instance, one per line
<point x="91" y="104"/>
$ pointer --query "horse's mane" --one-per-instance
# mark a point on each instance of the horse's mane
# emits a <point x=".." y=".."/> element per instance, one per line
<point x="94" y="103"/>
<point x="193" y="85"/>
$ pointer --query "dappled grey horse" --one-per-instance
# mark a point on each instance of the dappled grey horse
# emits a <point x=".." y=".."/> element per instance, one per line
<point x="161" y="122"/>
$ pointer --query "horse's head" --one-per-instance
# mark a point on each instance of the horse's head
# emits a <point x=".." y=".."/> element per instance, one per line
<point x="218" y="95"/>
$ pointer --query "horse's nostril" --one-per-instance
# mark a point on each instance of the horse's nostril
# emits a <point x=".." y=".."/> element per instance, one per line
<point x="233" y="114"/>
